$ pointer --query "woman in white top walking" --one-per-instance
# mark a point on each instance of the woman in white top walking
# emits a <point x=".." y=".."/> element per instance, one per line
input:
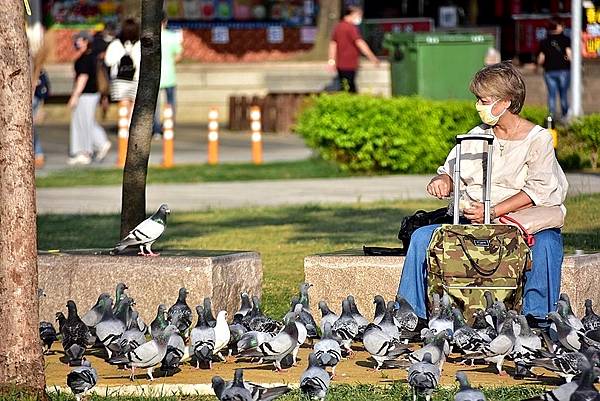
<point x="123" y="58"/>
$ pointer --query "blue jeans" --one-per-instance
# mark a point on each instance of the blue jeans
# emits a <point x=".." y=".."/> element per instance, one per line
<point x="170" y="93"/>
<point x="542" y="286"/>
<point x="37" y="143"/>
<point x="558" y="83"/>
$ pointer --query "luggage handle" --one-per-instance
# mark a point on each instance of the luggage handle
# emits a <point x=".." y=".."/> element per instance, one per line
<point x="474" y="264"/>
<point x="489" y="140"/>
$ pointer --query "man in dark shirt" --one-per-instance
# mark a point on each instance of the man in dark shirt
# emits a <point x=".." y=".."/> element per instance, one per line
<point x="345" y="47"/>
<point x="555" y="57"/>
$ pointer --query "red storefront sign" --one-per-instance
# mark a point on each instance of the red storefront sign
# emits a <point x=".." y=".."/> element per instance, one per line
<point x="590" y="46"/>
<point x="531" y="29"/>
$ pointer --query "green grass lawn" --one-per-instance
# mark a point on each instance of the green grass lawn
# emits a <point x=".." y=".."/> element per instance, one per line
<point x="190" y="173"/>
<point x="285" y="235"/>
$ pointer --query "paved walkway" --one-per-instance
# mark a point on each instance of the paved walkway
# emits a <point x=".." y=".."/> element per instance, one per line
<point x="191" y="197"/>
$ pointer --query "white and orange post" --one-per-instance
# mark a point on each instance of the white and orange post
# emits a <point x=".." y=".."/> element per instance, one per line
<point x="168" y="136"/>
<point x="213" y="136"/>
<point x="122" y="132"/>
<point x="256" y="128"/>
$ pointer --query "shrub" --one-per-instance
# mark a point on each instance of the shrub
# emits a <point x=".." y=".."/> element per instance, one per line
<point x="401" y="134"/>
<point x="587" y="131"/>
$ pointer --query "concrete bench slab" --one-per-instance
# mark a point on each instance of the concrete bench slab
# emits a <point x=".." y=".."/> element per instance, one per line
<point x="81" y="275"/>
<point x="338" y="274"/>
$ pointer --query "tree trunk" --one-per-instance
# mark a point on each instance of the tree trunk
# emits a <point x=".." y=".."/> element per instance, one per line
<point x="329" y="15"/>
<point x="21" y="360"/>
<point x="133" y="204"/>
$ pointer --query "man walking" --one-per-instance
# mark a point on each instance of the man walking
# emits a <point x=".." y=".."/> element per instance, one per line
<point x="345" y="48"/>
<point x="555" y="57"/>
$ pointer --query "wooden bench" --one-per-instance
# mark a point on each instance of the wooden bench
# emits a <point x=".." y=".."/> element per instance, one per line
<point x="339" y="274"/>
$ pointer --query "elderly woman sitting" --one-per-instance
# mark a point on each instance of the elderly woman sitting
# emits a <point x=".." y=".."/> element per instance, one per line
<point x="525" y="174"/>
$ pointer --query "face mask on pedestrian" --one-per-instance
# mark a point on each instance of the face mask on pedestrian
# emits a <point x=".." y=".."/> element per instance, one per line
<point x="485" y="112"/>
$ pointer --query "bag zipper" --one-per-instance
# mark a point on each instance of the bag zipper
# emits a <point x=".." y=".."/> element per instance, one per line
<point x="465" y="287"/>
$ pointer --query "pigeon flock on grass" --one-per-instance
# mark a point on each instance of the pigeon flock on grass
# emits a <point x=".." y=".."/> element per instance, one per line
<point x="395" y="339"/>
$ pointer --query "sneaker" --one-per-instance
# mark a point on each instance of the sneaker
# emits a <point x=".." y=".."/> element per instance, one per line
<point x="81" y="159"/>
<point x="40" y="160"/>
<point x="103" y="151"/>
<point x="157" y="136"/>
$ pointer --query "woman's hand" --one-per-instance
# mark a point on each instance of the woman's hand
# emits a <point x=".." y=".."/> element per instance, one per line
<point x="73" y="100"/>
<point x="475" y="213"/>
<point x="440" y="186"/>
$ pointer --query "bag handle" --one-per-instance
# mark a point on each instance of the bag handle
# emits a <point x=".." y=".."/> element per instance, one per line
<point x="529" y="238"/>
<point x="474" y="264"/>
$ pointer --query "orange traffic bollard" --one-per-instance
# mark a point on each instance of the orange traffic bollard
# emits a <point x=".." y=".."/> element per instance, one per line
<point x="168" y="136"/>
<point x="123" y="132"/>
<point x="213" y="136"/>
<point x="255" y="126"/>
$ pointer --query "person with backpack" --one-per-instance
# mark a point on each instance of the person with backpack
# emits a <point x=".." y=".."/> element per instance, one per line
<point x="88" y="139"/>
<point x="123" y="56"/>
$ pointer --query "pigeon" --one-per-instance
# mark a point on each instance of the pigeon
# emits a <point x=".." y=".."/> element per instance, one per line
<point x="568" y="337"/>
<point x="566" y="365"/>
<point x="160" y="321"/>
<point x="110" y="329"/>
<point x="566" y="312"/>
<point x="257" y="321"/>
<point x="381" y="346"/>
<point x="560" y="393"/>
<point x="258" y="393"/>
<point x="590" y="321"/>
<point x="276" y="348"/>
<point x="180" y="314"/>
<point x="119" y="295"/>
<point x="314" y="382"/>
<point x="405" y="315"/>
<point x="176" y="353"/>
<point x="585" y="390"/>
<point x="145" y="233"/>
<point x="423" y="377"/>
<point x="253" y="339"/>
<point x="465" y="391"/>
<point x="61" y="320"/>
<point x="132" y="338"/>
<point x="345" y="327"/>
<point x="388" y="323"/>
<point x="485" y="329"/>
<point x="237" y="331"/>
<point x="326" y="315"/>
<point x="465" y="338"/>
<point x="82" y="379"/>
<point x="362" y="322"/>
<point x="208" y="314"/>
<point x="92" y="317"/>
<point x="328" y="350"/>
<point x="151" y="353"/>
<point x="75" y="335"/>
<point x="222" y="334"/>
<point x="245" y="306"/>
<point x="235" y="392"/>
<point x="302" y="332"/>
<point x="436" y="347"/>
<point x="202" y="340"/>
<point x="305" y="315"/>
<point x="441" y="318"/>
<point x="380" y="306"/>
<point x="526" y="345"/>
<point x="47" y="335"/>
<point x="500" y="347"/>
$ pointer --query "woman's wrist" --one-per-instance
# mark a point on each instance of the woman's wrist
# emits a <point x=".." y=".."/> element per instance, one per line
<point x="493" y="213"/>
<point x="331" y="62"/>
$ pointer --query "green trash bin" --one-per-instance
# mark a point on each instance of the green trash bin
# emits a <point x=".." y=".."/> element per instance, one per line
<point x="435" y="65"/>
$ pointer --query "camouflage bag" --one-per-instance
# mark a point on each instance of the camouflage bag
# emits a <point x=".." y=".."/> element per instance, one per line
<point x="467" y="260"/>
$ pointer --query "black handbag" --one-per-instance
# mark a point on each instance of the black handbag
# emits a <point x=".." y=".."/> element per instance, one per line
<point x="420" y="218"/>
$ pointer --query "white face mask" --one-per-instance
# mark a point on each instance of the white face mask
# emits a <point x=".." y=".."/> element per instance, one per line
<point x="358" y="21"/>
<point x="486" y="115"/>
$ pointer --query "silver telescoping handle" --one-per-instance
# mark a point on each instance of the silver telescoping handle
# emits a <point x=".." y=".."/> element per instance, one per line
<point x="489" y="140"/>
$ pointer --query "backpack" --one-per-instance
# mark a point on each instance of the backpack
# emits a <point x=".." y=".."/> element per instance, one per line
<point x="42" y="89"/>
<point x="126" y="68"/>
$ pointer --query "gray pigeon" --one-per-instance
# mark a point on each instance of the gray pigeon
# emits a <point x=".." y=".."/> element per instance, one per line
<point x="180" y="314"/>
<point x="590" y="321"/>
<point x="202" y="340"/>
<point x="527" y="343"/>
<point x="145" y="233"/>
<point x="92" y="317"/>
<point x="560" y="393"/>
<point x="151" y="353"/>
<point x="327" y="315"/>
<point x="345" y="327"/>
<point x="436" y="347"/>
<point x="566" y="365"/>
<point x="405" y="315"/>
<point x="75" y="334"/>
<point x="235" y="392"/>
<point x="245" y="306"/>
<point x="278" y="347"/>
<point x="47" y="335"/>
<point x="465" y="391"/>
<point x="423" y="377"/>
<point x="302" y="332"/>
<point x="441" y="318"/>
<point x="585" y="390"/>
<point x="380" y="306"/>
<point x="257" y="321"/>
<point x="82" y="379"/>
<point x="566" y="312"/>
<point x="314" y="382"/>
<point x="485" y="329"/>
<point x="381" y="346"/>
<point x="132" y="338"/>
<point x="253" y="339"/>
<point x="306" y="316"/>
<point x="360" y="319"/>
<point x="465" y="338"/>
<point x="328" y="350"/>
<point x="110" y="329"/>
<point x="568" y="337"/>
<point x="176" y="354"/>
<point x="119" y="295"/>
<point x="208" y="313"/>
<point x="160" y="322"/>
<point x="258" y="393"/>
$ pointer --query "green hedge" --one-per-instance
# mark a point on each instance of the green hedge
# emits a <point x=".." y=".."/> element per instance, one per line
<point x="401" y="134"/>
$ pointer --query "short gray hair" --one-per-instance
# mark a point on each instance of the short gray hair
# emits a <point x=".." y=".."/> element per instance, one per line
<point x="502" y="81"/>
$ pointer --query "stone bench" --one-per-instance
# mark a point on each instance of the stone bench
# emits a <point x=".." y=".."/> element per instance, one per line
<point x="82" y="275"/>
<point x="336" y="275"/>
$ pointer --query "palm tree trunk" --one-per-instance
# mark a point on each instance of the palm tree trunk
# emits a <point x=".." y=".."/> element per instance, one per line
<point x="21" y="360"/>
<point x="133" y="204"/>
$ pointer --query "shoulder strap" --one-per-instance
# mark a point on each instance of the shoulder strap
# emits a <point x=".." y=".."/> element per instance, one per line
<point x="529" y="238"/>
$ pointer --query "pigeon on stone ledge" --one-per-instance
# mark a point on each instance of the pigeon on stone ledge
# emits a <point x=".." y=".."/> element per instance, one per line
<point x="145" y="233"/>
